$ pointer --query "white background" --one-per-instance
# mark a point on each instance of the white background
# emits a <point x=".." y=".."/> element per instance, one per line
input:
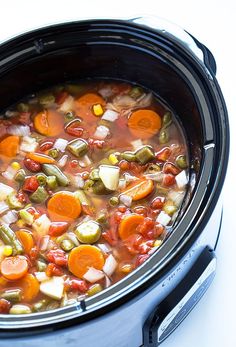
<point x="212" y="322"/>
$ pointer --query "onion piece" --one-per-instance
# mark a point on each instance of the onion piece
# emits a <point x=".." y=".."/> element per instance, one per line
<point x="109" y="176"/>
<point x="163" y="218"/>
<point x="176" y="196"/>
<point x="157" y="176"/>
<point x="73" y="238"/>
<point x="126" y="200"/>
<point x="19" y="130"/>
<point x="181" y="179"/>
<point x="107" y="282"/>
<point x="60" y="144"/>
<point x="10" y="217"/>
<point x="67" y="105"/>
<point x="41" y="225"/>
<point x="78" y="181"/>
<point x="137" y="144"/>
<point x="5" y="190"/>
<point x="62" y="161"/>
<point x="9" y="174"/>
<point x="28" y="144"/>
<point x="93" y="275"/>
<point x="85" y="161"/>
<point x="121" y="184"/>
<point x="44" y="243"/>
<point x="130" y="178"/>
<point x="104" y="247"/>
<point x="41" y="276"/>
<point x="110" y="265"/>
<point x="110" y="115"/>
<point x="3" y="207"/>
<point x="101" y="132"/>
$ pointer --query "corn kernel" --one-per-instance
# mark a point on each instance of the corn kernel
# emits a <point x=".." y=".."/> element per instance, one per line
<point x="7" y="251"/>
<point x="15" y="165"/>
<point x="157" y="243"/>
<point x="98" y="110"/>
<point x="20" y="223"/>
<point x="113" y="159"/>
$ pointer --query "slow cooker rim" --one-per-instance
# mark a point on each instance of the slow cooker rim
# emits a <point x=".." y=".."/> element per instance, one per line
<point x="222" y="172"/>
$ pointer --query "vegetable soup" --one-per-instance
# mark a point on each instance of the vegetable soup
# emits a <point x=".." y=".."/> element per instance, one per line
<point x="93" y="176"/>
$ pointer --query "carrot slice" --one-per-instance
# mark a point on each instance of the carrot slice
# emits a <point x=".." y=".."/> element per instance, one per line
<point x="13" y="268"/>
<point x="41" y="158"/>
<point x="129" y="224"/>
<point x="144" y="123"/>
<point x="30" y="287"/>
<point x="85" y="103"/>
<point x="139" y="190"/>
<point x="10" y="146"/>
<point x="63" y="206"/>
<point x="26" y="240"/>
<point x="83" y="257"/>
<point x="49" y="123"/>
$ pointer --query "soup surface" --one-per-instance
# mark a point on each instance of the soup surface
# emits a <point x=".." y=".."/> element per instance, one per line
<point x="92" y="178"/>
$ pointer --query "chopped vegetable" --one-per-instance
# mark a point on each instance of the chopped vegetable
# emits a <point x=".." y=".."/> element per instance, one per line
<point x="95" y="289"/>
<point x="42" y="179"/>
<point x="39" y="196"/>
<point x="60" y="144"/>
<point x="58" y="228"/>
<point x="29" y="286"/>
<point x="27" y="217"/>
<point x="20" y="309"/>
<point x="9" y="218"/>
<point x="101" y="132"/>
<point x="10" y="146"/>
<point x="139" y="189"/>
<point x="163" y="136"/>
<point x="145" y="154"/>
<point x="3" y="206"/>
<point x="67" y="245"/>
<point x="113" y="201"/>
<point x="13" y="268"/>
<point x="129" y="156"/>
<point x="78" y="147"/>
<point x="110" y="265"/>
<point x="83" y="257"/>
<point x="7" y="250"/>
<point x="53" y="287"/>
<point x="181" y="162"/>
<point x="9" y="238"/>
<point x="19" y="130"/>
<point x="5" y="190"/>
<point x="181" y="179"/>
<point x="113" y="159"/>
<point x="128" y="225"/>
<point x="88" y="232"/>
<point x="53" y="170"/>
<point x="126" y="200"/>
<point x="40" y="158"/>
<point x="93" y="275"/>
<point x="110" y="115"/>
<point x="9" y="173"/>
<point x="144" y="123"/>
<point x="49" y="123"/>
<point x="67" y="105"/>
<point x="12" y="295"/>
<point x="20" y="176"/>
<point x="109" y="176"/>
<point x="28" y="144"/>
<point x="98" y="110"/>
<point x="52" y="182"/>
<point x="163" y="218"/>
<point x="13" y="202"/>
<point x="64" y="206"/>
<point x="26" y="239"/>
<point x="41" y="225"/>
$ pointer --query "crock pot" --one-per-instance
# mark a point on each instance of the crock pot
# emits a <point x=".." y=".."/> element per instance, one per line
<point x="146" y="306"/>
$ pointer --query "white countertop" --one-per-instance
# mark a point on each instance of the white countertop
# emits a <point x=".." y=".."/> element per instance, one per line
<point x="211" y="323"/>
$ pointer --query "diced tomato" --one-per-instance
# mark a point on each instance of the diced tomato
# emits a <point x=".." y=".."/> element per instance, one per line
<point x="4" y="306"/>
<point x="111" y="235"/>
<point x="168" y="180"/>
<point x="57" y="256"/>
<point x="145" y="247"/>
<point x="141" y="259"/>
<point x="58" y="228"/>
<point x="76" y="284"/>
<point x="30" y="184"/>
<point x="141" y="210"/>
<point x="54" y="270"/>
<point x="34" y="252"/>
<point x="133" y="242"/>
<point x="87" y="210"/>
<point x="170" y="168"/>
<point x="146" y="226"/>
<point x="158" y="203"/>
<point x="158" y="230"/>
<point x="163" y="154"/>
<point x="34" y="212"/>
<point x="122" y="209"/>
<point x="61" y="97"/>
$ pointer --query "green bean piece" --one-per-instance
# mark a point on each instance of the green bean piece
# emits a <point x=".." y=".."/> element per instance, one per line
<point x="22" y="107"/>
<point x="166" y="120"/>
<point x="79" y="194"/>
<point x="42" y="179"/>
<point x="163" y="136"/>
<point x="95" y="289"/>
<point x="20" y="176"/>
<point x="88" y="232"/>
<point x="41" y="265"/>
<point x="52" y="182"/>
<point x="27" y="217"/>
<point x="67" y="245"/>
<point x="99" y="188"/>
<point x="94" y="175"/>
<point x="12" y="295"/>
<point x="46" y="100"/>
<point x="40" y="195"/>
<point x="145" y="154"/>
<point x="181" y="161"/>
<point x="78" y="147"/>
<point x="13" y="202"/>
<point x="69" y="115"/>
<point x="53" y="152"/>
<point x="20" y="309"/>
<point x="102" y="218"/>
<point x="40" y="305"/>
<point x="129" y="156"/>
<point x="9" y="238"/>
<point x="136" y="92"/>
<point x="53" y="170"/>
<point x="113" y="201"/>
<point x="88" y="184"/>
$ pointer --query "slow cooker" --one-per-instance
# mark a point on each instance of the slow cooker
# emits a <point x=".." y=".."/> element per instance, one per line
<point x="146" y="306"/>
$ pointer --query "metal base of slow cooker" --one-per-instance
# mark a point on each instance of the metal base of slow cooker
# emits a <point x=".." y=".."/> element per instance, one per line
<point x="150" y="317"/>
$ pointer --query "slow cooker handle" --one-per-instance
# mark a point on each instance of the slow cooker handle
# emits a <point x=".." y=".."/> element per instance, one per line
<point x="168" y="314"/>
<point x="182" y="37"/>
